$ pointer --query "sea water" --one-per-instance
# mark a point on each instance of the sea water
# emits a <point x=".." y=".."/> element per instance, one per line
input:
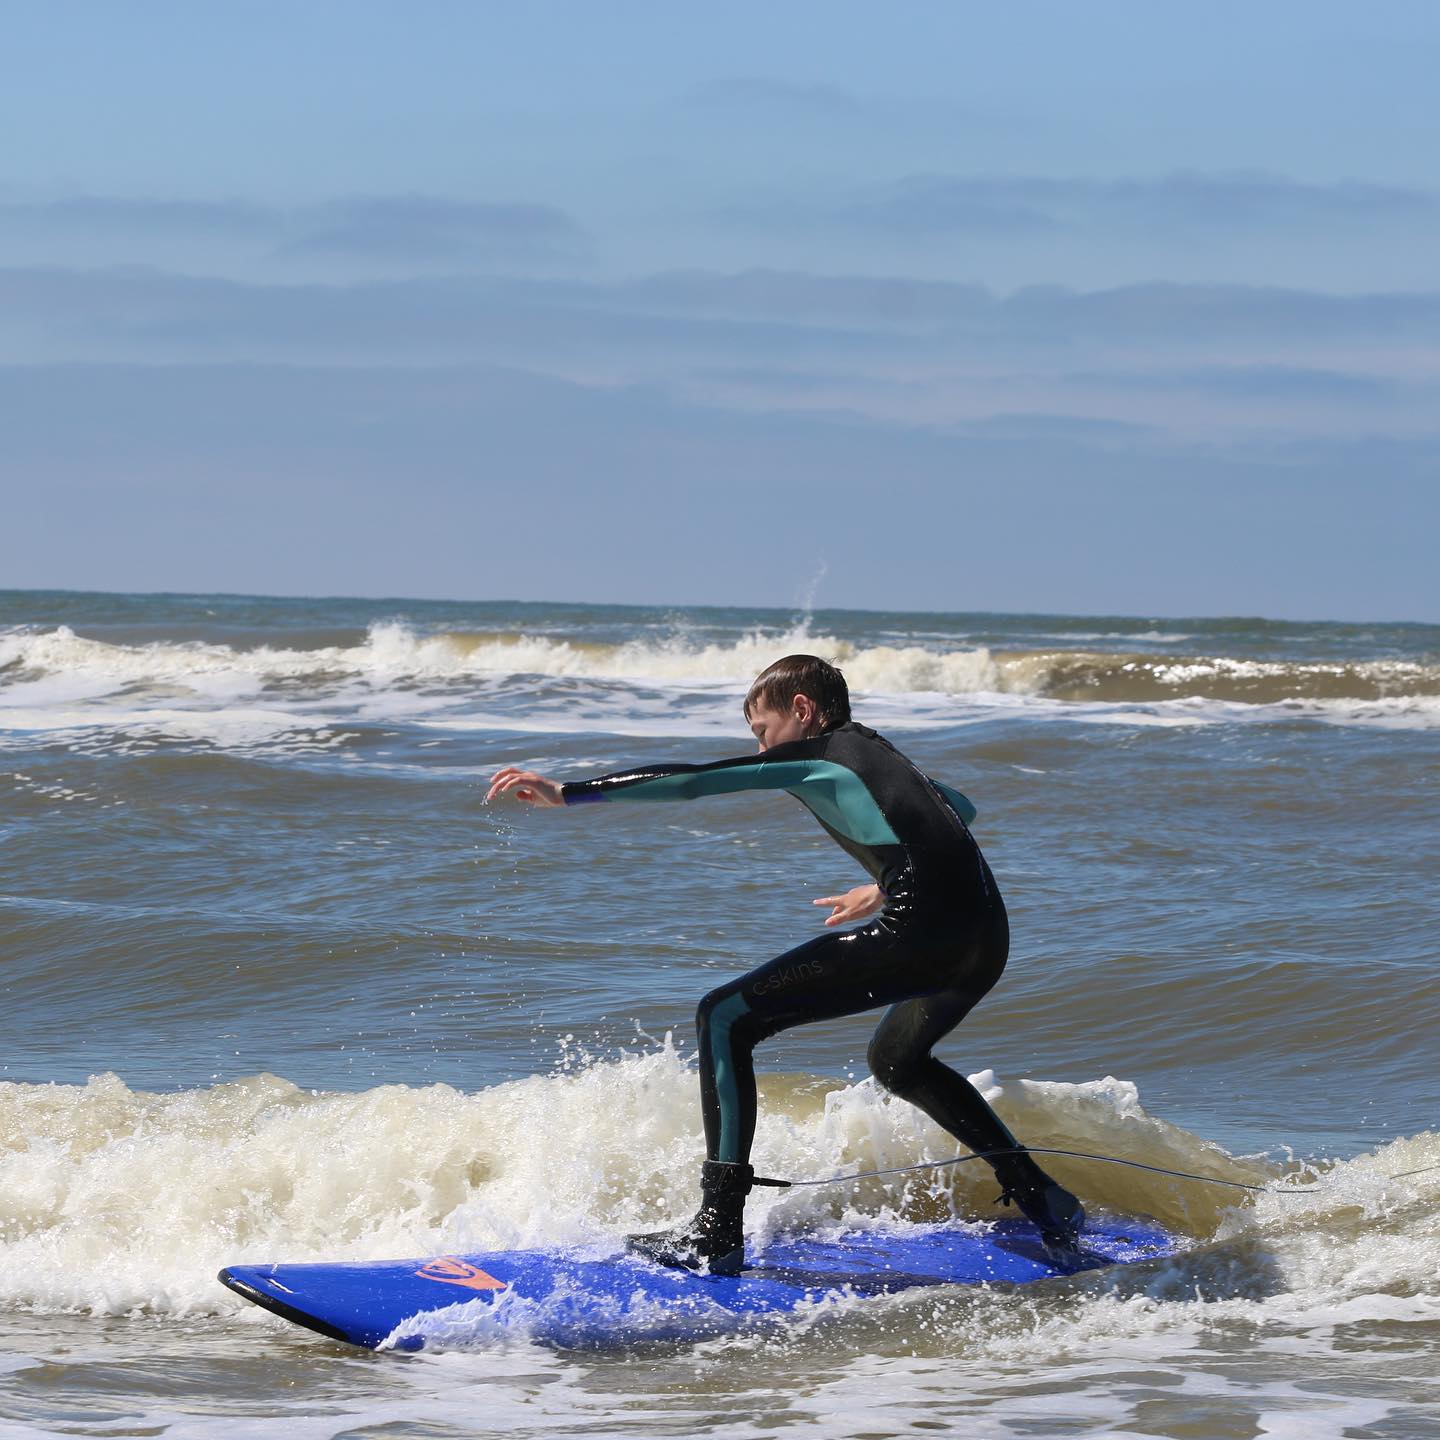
<point x="278" y="985"/>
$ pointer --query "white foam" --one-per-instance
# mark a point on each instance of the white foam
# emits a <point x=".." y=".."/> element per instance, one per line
<point x="659" y="685"/>
<point x="114" y="1201"/>
<point x="393" y="650"/>
<point x="234" y="726"/>
<point x="1155" y="637"/>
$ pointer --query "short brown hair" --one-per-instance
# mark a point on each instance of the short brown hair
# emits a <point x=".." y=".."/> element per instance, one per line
<point x="777" y="686"/>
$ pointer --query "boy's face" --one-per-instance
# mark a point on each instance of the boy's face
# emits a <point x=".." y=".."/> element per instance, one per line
<point x="778" y="727"/>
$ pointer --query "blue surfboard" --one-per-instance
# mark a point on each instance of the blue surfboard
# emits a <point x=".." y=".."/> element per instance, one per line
<point x="590" y="1297"/>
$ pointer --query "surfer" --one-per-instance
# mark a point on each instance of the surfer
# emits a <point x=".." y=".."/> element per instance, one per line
<point x="936" y="940"/>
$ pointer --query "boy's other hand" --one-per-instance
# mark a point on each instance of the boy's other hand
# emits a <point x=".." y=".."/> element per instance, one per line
<point x="854" y="904"/>
<point x="525" y="785"/>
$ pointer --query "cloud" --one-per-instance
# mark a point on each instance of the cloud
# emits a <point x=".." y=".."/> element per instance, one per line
<point x="932" y="205"/>
<point x="935" y="205"/>
<point x="1021" y="425"/>
<point x="115" y="216"/>
<point x="790" y="310"/>
<point x="1181" y="314"/>
<point x="142" y="313"/>
<point x="385" y="232"/>
<point x="423" y="228"/>
<point x="1265" y="382"/>
<point x="1170" y="359"/>
<point x="883" y="302"/>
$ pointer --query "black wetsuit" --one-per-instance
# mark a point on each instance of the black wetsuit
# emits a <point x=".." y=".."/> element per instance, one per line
<point x="935" y="949"/>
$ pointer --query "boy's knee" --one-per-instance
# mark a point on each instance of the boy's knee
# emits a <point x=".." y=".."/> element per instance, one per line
<point x="894" y="1069"/>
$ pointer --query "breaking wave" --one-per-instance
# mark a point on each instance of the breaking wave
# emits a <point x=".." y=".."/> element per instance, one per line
<point x="115" y="1201"/>
<point x="392" y="654"/>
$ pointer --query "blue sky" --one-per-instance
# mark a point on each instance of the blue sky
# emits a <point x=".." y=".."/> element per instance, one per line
<point x="1125" y="307"/>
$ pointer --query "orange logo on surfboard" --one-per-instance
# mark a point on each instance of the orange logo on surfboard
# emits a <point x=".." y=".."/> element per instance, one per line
<point x="451" y="1271"/>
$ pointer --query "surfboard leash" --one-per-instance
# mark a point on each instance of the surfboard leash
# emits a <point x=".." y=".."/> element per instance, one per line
<point x="1073" y="1155"/>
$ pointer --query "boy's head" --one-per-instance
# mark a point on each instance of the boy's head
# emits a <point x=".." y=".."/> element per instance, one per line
<point x="799" y="696"/>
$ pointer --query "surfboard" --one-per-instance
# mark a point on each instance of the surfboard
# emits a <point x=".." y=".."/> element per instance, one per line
<point x="590" y="1297"/>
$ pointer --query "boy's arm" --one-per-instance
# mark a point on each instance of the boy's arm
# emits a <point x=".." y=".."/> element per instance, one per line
<point x="779" y="768"/>
<point x="957" y="802"/>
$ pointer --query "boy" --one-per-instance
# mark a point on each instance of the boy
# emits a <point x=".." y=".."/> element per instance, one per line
<point x="938" y="943"/>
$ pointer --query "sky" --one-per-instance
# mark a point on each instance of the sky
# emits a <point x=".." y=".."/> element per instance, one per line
<point x="1119" y="308"/>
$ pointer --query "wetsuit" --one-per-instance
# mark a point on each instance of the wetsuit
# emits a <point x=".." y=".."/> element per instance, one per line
<point x="931" y="953"/>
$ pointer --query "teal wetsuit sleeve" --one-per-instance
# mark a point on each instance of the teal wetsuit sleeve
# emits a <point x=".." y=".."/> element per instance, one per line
<point x="957" y="802"/>
<point x="776" y="769"/>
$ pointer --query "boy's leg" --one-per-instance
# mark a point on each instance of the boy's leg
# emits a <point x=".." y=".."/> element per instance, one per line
<point x="901" y="1061"/>
<point x="900" y="1051"/>
<point x="899" y="1058"/>
<point x="827" y="977"/>
<point x="831" y="975"/>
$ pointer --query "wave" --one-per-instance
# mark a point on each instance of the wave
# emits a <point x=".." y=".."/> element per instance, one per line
<point x="59" y="665"/>
<point x="115" y="1201"/>
<point x="1081" y="675"/>
<point x="394" y="653"/>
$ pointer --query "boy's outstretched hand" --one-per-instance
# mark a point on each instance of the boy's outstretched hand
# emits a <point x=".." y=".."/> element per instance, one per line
<point x="525" y="785"/>
<point x="854" y="904"/>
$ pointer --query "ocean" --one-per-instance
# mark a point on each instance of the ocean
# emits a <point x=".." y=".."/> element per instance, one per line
<point x="278" y="985"/>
